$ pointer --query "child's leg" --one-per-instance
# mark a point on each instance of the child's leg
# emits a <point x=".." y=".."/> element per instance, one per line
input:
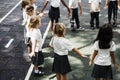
<point x="110" y="9"/>
<point x="58" y="76"/>
<point x="97" y="19"/>
<point x="63" y="77"/>
<point x="51" y="24"/>
<point x="29" y="49"/>
<point x="92" y="20"/>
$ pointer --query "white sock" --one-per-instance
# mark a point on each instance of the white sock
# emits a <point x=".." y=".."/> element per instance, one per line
<point x="36" y="71"/>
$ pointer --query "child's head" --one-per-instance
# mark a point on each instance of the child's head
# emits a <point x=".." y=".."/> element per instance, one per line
<point x="105" y="36"/>
<point x="59" y="29"/>
<point x="30" y="10"/>
<point x="35" y="22"/>
<point x="25" y="3"/>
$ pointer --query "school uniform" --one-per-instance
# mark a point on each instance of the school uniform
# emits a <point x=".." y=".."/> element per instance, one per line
<point x="112" y="9"/>
<point x="35" y="34"/>
<point x="95" y="14"/>
<point x="73" y="5"/>
<point x="54" y="12"/>
<point x="102" y="61"/>
<point x="61" y="47"/>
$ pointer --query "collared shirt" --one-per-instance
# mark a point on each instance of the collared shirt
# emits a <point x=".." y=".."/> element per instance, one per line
<point x="74" y="3"/>
<point x="54" y="3"/>
<point x="61" y="45"/>
<point x="103" y="57"/>
<point x="95" y="4"/>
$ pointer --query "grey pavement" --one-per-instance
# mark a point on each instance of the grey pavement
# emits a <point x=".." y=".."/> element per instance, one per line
<point x="13" y="60"/>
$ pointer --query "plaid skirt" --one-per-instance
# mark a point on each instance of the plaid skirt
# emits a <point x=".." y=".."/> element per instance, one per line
<point x="102" y="72"/>
<point x="61" y="64"/>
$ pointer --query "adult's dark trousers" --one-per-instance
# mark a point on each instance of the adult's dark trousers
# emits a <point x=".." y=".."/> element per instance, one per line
<point x="94" y="16"/>
<point x="112" y="9"/>
<point x="75" y="17"/>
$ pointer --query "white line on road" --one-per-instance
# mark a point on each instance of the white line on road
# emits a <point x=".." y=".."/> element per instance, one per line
<point x="31" y="66"/>
<point x="9" y="43"/>
<point x="10" y="11"/>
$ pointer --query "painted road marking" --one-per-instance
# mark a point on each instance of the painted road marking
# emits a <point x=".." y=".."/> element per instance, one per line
<point x="9" y="43"/>
<point x="31" y="66"/>
<point x="10" y="11"/>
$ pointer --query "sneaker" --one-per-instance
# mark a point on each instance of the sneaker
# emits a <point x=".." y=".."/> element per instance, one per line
<point x="80" y="28"/>
<point x="40" y="73"/>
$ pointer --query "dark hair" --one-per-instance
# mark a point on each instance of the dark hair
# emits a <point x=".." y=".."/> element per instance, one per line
<point x="105" y="36"/>
<point x="24" y="3"/>
<point x="29" y="9"/>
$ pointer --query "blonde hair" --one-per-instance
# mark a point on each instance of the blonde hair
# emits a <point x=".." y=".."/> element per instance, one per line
<point x="34" y="21"/>
<point x="59" y="29"/>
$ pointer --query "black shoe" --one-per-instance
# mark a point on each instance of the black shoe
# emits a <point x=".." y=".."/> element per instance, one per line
<point x="92" y="28"/>
<point x="40" y="73"/>
<point x="72" y="29"/>
<point x="114" y="25"/>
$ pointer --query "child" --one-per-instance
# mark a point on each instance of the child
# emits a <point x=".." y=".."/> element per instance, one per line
<point x="112" y="6"/>
<point x="73" y="5"/>
<point x="54" y="12"/>
<point x="36" y="40"/>
<point x="24" y="4"/>
<point x="104" y="48"/>
<point x="94" y="6"/>
<point x="61" y="47"/>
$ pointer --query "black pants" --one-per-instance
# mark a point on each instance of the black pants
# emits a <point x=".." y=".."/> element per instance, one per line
<point x="94" y="15"/>
<point x="75" y="16"/>
<point x="112" y="9"/>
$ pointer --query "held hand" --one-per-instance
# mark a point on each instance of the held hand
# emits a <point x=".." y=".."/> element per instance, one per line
<point x="80" y="12"/>
<point x="90" y="63"/>
<point x="106" y="7"/>
<point x="97" y="9"/>
<point x="118" y="7"/>
<point x="116" y="66"/>
<point x="83" y="56"/>
<point x="31" y="54"/>
<point x="91" y="10"/>
<point x="41" y="14"/>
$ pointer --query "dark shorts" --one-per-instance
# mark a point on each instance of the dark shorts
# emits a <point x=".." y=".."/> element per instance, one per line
<point x="54" y="13"/>
<point x="38" y="59"/>
<point x="61" y="64"/>
<point x="102" y="72"/>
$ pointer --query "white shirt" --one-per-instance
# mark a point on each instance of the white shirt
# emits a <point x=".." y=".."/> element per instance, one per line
<point x="95" y="4"/>
<point x="35" y="34"/>
<point x="61" y="45"/>
<point x="112" y="0"/>
<point x="103" y="57"/>
<point x="74" y="3"/>
<point x="54" y="3"/>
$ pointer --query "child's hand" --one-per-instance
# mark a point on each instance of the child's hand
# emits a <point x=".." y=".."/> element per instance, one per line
<point x="91" y="10"/>
<point x="31" y="54"/>
<point x="116" y="66"/>
<point x="97" y="9"/>
<point x="80" y="12"/>
<point x="90" y="62"/>
<point x="41" y="14"/>
<point x="106" y="7"/>
<point x="83" y="56"/>
<point x="118" y="7"/>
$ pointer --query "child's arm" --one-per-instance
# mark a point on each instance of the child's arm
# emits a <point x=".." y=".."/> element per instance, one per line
<point x="44" y="6"/>
<point x="33" y="48"/>
<point x="106" y="4"/>
<point x="93" y="57"/>
<point x="80" y="7"/>
<point x="79" y="53"/>
<point x="118" y="4"/>
<point x="90" y="6"/>
<point x="113" y="59"/>
<point x="66" y="7"/>
<point x="98" y="8"/>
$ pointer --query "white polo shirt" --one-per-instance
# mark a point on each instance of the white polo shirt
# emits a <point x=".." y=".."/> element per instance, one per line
<point x="54" y="3"/>
<point x="74" y="3"/>
<point x="35" y="34"/>
<point x="103" y="57"/>
<point x="61" y="45"/>
<point x="94" y="4"/>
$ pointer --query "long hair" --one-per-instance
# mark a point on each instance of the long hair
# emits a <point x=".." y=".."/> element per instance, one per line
<point x="59" y="29"/>
<point x="34" y="21"/>
<point x="105" y="36"/>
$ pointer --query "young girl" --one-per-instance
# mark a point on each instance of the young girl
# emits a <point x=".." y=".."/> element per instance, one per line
<point x="24" y="4"/>
<point x="112" y="6"/>
<point x="36" y="40"/>
<point x="94" y="6"/>
<point x="54" y="12"/>
<point x="61" y="47"/>
<point x="104" y="48"/>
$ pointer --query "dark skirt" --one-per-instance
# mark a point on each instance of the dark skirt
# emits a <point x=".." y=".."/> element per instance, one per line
<point x="102" y="72"/>
<point x="61" y="64"/>
<point x="38" y="59"/>
<point x="54" y="13"/>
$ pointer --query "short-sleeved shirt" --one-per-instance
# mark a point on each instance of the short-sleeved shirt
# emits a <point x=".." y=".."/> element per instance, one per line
<point x="74" y="3"/>
<point x="95" y="4"/>
<point x="35" y="34"/>
<point x="54" y="3"/>
<point x="61" y="45"/>
<point x="103" y="57"/>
